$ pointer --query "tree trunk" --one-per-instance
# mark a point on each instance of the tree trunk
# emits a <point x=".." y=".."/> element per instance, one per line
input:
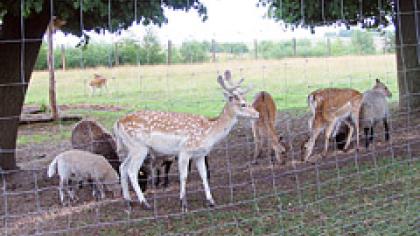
<point x="51" y="69"/>
<point x="17" y="62"/>
<point x="407" y="58"/>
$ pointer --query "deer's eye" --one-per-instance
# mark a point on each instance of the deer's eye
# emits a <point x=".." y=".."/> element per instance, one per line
<point x="243" y="105"/>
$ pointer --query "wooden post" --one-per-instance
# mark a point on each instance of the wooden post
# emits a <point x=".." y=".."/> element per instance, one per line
<point x="52" y="94"/>
<point x="255" y="49"/>
<point x="213" y="49"/>
<point x="294" y="47"/>
<point x="169" y="59"/>
<point x="63" y="57"/>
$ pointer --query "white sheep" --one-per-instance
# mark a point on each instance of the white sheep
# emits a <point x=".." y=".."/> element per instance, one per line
<point x="375" y="109"/>
<point x="79" y="165"/>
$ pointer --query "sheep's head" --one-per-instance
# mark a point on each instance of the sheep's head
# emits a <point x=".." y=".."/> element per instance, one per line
<point x="381" y="87"/>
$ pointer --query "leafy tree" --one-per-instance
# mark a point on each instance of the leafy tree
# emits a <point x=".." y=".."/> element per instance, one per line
<point x="35" y="16"/>
<point x="194" y="51"/>
<point x="369" y="13"/>
<point x="151" y="51"/>
<point x="362" y="42"/>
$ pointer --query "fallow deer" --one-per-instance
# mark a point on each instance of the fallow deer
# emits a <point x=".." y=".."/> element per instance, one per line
<point x="263" y="129"/>
<point x="329" y="108"/>
<point x="185" y="135"/>
<point x="98" y="82"/>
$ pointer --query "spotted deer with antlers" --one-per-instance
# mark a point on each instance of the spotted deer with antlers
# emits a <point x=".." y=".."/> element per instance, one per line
<point x="186" y="135"/>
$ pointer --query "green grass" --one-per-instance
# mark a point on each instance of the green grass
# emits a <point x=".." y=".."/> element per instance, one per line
<point x="193" y="88"/>
<point x="381" y="204"/>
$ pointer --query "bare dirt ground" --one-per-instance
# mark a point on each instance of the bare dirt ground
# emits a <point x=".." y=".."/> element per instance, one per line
<point x="30" y="205"/>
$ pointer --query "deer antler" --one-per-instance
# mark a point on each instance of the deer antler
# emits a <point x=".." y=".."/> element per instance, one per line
<point x="221" y="81"/>
<point x="249" y="88"/>
<point x="228" y="78"/>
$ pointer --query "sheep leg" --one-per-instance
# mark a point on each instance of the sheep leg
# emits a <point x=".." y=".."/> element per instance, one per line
<point x="133" y="170"/>
<point x="101" y="190"/>
<point x="157" y="179"/>
<point x="367" y="137"/>
<point x="61" y="189"/>
<point x="386" y="127"/>
<point x="183" y="161"/>
<point x="71" y="191"/>
<point x="201" y="166"/>
<point x="167" y="169"/>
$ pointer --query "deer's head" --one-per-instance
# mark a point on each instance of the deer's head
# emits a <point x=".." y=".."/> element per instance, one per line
<point x="235" y="97"/>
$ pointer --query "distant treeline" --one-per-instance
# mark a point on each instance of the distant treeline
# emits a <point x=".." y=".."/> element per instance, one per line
<point x="150" y="51"/>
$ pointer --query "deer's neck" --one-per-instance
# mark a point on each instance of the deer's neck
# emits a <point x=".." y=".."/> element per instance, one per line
<point x="221" y="126"/>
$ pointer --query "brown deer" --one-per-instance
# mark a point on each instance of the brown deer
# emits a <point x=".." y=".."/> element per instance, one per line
<point x="186" y="135"/>
<point x="98" y="82"/>
<point x="329" y="108"/>
<point x="264" y="130"/>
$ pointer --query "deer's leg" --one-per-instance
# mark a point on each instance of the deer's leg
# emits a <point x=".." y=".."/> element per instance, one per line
<point x="183" y="161"/>
<point x="328" y="133"/>
<point x="133" y="170"/>
<point x="207" y="166"/>
<point x="201" y="166"/>
<point x="124" y="178"/>
<point x="311" y="142"/>
<point x="278" y="148"/>
<point x="257" y="141"/>
<point x="386" y="127"/>
<point x="349" y="135"/>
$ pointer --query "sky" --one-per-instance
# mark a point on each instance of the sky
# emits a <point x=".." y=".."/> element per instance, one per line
<point x="226" y="23"/>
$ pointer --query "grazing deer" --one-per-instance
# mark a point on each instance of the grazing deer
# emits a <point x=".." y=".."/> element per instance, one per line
<point x="98" y="82"/>
<point x="186" y="135"/>
<point x="263" y="129"/>
<point x="329" y="108"/>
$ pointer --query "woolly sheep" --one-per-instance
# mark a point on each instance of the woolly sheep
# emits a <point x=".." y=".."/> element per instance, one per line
<point x="81" y="165"/>
<point x="374" y="109"/>
<point x="90" y="136"/>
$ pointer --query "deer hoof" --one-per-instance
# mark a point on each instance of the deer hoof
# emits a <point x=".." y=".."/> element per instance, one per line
<point x="184" y="205"/>
<point x="210" y="204"/>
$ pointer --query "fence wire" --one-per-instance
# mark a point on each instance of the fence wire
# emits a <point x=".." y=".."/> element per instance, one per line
<point x="373" y="191"/>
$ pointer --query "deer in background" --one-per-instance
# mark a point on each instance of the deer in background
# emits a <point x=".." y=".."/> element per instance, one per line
<point x="264" y="130"/>
<point x="329" y="108"/>
<point x="186" y="135"/>
<point x="98" y="82"/>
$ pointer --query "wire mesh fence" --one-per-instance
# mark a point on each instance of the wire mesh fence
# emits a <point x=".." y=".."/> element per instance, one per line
<point x="370" y="191"/>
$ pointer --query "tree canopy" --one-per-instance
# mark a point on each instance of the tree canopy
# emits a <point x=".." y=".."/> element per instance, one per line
<point x="370" y="13"/>
<point x="113" y="15"/>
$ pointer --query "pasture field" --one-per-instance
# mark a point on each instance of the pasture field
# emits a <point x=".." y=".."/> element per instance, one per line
<point x="193" y="88"/>
<point x="373" y="192"/>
